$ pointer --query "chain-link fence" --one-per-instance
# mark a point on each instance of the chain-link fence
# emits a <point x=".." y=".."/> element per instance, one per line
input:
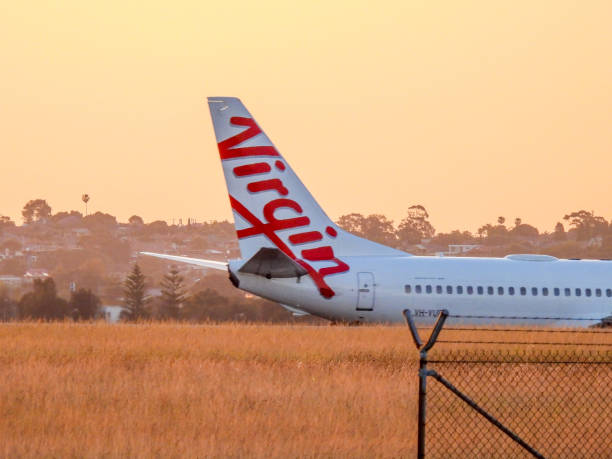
<point x="516" y="392"/>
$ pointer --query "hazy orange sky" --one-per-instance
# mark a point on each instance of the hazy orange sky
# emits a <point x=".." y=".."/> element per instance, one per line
<point x="473" y="109"/>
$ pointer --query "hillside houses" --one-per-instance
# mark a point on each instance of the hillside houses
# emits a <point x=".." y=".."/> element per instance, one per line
<point x="96" y="252"/>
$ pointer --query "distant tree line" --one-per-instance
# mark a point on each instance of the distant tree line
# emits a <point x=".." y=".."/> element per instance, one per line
<point x="43" y="303"/>
<point x="39" y="211"/>
<point x="102" y="250"/>
<point x="412" y="229"/>
<point x="204" y="305"/>
<point x="415" y="228"/>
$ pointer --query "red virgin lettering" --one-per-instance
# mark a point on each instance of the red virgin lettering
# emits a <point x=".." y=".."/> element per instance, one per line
<point x="227" y="148"/>
<point x="332" y="232"/>
<point x="267" y="185"/>
<point x="318" y="254"/>
<point x="340" y="267"/>
<point x="304" y="238"/>
<point x="252" y="169"/>
<point x="259" y="227"/>
<point x="273" y="224"/>
<point x="271" y="207"/>
<point x="326" y="253"/>
<point x="269" y="230"/>
<point x="326" y="292"/>
<point x="230" y="149"/>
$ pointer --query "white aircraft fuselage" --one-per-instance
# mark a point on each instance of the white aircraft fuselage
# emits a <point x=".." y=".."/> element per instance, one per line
<point x="293" y="253"/>
<point x="379" y="289"/>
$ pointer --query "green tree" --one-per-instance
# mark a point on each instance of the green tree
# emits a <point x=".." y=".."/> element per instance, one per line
<point x="525" y="230"/>
<point x="8" y="307"/>
<point x="454" y="237"/>
<point x="415" y="227"/>
<point x="495" y="234"/>
<point x="135" y="220"/>
<point x="157" y="227"/>
<point x="352" y="223"/>
<point x="210" y="305"/>
<point x="70" y="219"/>
<point x="5" y="222"/>
<point x="207" y="304"/>
<point x="374" y="227"/>
<point x="483" y="230"/>
<point x="587" y="224"/>
<point x="135" y="295"/>
<point x="100" y="222"/>
<point x="42" y="302"/>
<point x="35" y="209"/>
<point x="172" y="294"/>
<point x="559" y="233"/>
<point x="84" y="304"/>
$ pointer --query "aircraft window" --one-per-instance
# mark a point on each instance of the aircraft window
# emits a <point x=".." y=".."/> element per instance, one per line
<point x="479" y="290"/>
<point x="523" y="291"/>
<point x="459" y="289"/>
<point x="534" y="291"/>
<point x="578" y="292"/>
<point x="500" y="290"/>
<point x="568" y="292"/>
<point x="557" y="291"/>
<point x="449" y="289"/>
<point x="490" y="291"/>
<point x="587" y="291"/>
<point x="609" y="292"/>
<point x="407" y="288"/>
<point x="417" y="288"/>
<point x="545" y="291"/>
<point x="438" y="289"/>
<point x="428" y="288"/>
<point x="597" y="292"/>
<point x="470" y="290"/>
<point x="510" y="290"/>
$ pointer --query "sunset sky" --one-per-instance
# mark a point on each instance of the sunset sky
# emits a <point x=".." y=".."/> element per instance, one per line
<point x="472" y="109"/>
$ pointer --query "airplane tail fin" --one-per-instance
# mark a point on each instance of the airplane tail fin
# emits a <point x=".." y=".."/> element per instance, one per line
<point x="271" y="206"/>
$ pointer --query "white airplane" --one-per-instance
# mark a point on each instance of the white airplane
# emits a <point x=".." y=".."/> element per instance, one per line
<point x="294" y="254"/>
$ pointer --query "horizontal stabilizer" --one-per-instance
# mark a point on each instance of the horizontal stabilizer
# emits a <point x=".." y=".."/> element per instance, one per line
<point x="271" y="263"/>
<point x="221" y="265"/>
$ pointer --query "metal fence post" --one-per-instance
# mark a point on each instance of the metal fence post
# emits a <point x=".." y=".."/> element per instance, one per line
<point x="422" y="417"/>
<point x="423" y="371"/>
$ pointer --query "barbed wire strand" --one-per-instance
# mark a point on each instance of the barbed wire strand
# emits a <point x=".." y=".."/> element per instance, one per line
<point x="531" y="362"/>
<point x="533" y="343"/>
<point x="524" y="330"/>
<point x="460" y="316"/>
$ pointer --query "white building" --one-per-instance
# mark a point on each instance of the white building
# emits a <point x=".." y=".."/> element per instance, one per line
<point x="11" y="281"/>
<point x="457" y="249"/>
<point x="112" y="314"/>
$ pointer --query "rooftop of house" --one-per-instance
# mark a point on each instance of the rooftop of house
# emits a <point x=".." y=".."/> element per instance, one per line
<point x="36" y="273"/>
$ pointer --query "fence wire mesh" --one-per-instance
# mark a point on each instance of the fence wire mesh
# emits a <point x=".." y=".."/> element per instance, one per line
<point x="556" y="399"/>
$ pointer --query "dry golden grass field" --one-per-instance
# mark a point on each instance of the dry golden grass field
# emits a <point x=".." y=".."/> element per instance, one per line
<point x="175" y="390"/>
